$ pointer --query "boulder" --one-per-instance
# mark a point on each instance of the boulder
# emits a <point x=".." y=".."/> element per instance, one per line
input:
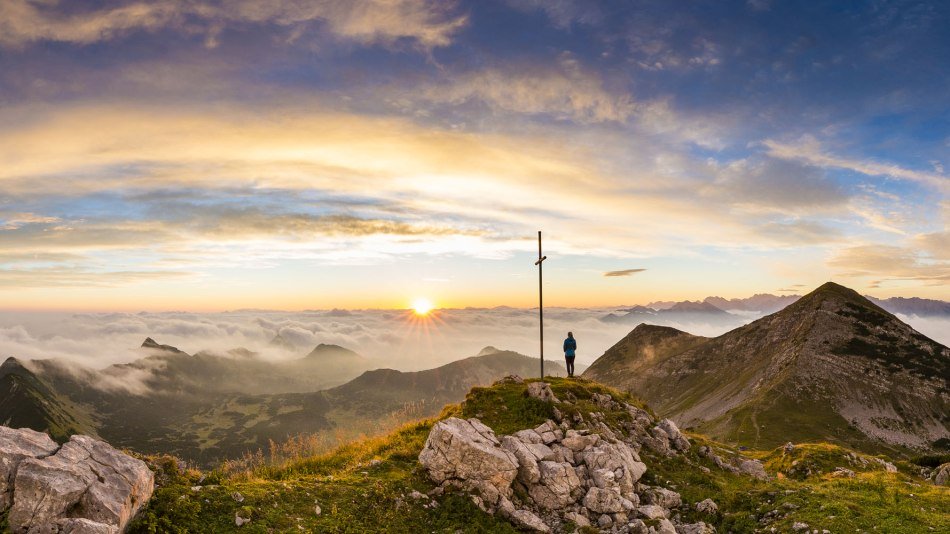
<point x="528" y="436"/>
<point x="468" y="452"/>
<point x="676" y="438"/>
<point x="549" y="432"/>
<point x="652" y="511"/>
<point x="577" y="519"/>
<point x="511" y="379"/>
<point x="556" y="487"/>
<point x="603" y="501"/>
<point x="695" y="528"/>
<point x="888" y="466"/>
<point x="17" y="445"/>
<point x="941" y="475"/>
<point x="85" y="479"/>
<point x="842" y="472"/>
<point x="665" y="526"/>
<point x="541" y="391"/>
<point x="662" y="497"/>
<point x="577" y="442"/>
<point x="617" y="457"/>
<point x="707" y="506"/>
<point x="75" y="526"/>
<point x="753" y="468"/>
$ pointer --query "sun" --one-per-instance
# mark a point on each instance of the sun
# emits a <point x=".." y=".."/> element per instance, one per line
<point x="422" y="306"/>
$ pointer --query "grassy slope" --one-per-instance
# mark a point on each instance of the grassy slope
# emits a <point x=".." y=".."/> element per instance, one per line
<point x="358" y="494"/>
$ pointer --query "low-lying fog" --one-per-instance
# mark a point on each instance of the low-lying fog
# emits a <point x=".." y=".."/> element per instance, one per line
<point x="394" y="339"/>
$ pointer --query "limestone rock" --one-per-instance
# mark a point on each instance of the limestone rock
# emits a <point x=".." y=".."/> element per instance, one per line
<point x="81" y="526"/>
<point x="17" y="445"/>
<point x="695" y="528"/>
<point x="754" y="469"/>
<point x="577" y="442"/>
<point x="707" y="506"/>
<point x="677" y="440"/>
<point x="652" y="511"/>
<point x="665" y="526"/>
<point x="577" y="519"/>
<point x="888" y="466"/>
<point x="468" y="452"/>
<point x="842" y="472"/>
<point x="85" y="479"/>
<point x="557" y="485"/>
<point x="941" y="475"/>
<point x="511" y="379"/>
<point x="603" y="501"/>
<point x="542" y="391"/>
<point x="662" y="497"/>
<point x="528" y="471"/>
<point x="528" y="521"/>
<point x="616" y="457"/>
<point x="549" y="432"/>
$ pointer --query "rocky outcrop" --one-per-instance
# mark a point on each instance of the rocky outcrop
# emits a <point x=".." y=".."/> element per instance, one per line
<point x="941" y="476"/>
<point x="466" y="454"/>
<point x="541" y="391"/>
<point x="85" y="486"/>
<point x="574" y="469"/>
<point x="16" y="446"/>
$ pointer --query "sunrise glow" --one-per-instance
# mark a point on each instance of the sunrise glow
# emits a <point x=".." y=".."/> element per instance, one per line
<point x="422" y="306"/>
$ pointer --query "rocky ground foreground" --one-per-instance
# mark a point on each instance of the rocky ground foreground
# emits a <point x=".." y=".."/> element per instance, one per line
<point x="576" y="470"/>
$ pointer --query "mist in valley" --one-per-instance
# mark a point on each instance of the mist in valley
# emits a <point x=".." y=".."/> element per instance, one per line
<point x="395" y="339"/>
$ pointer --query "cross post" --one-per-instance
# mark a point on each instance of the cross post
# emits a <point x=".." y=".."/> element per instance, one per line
<point x="541" y="301"/>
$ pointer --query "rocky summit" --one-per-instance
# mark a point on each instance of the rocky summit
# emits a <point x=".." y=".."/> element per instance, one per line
<point x="579" y="469"/>
<point x="832" y="367"/>
<point x="84" y="486"/>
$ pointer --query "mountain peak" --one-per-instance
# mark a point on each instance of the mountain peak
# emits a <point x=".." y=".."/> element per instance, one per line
<point x="836" y="296"/>
<point x="328" y="350"/>
<point x="151" y="344"/>
<point x="487" y="350"/>
<point x="10" y="365"/>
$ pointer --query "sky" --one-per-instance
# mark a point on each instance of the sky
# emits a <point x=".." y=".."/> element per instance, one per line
<point x="203" y="156"/>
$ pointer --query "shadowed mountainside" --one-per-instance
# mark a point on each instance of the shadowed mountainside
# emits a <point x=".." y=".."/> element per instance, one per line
<point x="209" y="407"/>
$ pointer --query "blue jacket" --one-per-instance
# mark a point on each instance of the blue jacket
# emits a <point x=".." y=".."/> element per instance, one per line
<point x="570" y="345"/>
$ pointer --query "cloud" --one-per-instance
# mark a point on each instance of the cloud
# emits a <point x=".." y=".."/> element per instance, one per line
<point x="809" y="150"/>
<point x="12" y="221"/>
<point x="625" y="272"/>
<point x="426" y="22"/>
<point x="567" y="91"/>
<point x="563" y="13"/>
<point x="79" y="277"/>
<point x="890" y="263"/>
<point x="775" y="184"/>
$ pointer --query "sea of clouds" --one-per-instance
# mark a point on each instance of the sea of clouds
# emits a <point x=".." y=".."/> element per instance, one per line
<point x="388" y="338"/>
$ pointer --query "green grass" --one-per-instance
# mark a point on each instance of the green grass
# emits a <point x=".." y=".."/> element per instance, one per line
<point x="364" y="485"/>
<point x="354" y="493"/>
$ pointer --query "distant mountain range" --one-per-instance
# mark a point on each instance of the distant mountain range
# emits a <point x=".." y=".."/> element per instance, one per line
<point x="206" y="407"/>
<point x="832" y="366"/>
<point x="679" y="312"/>
<point x="716" y="310"/>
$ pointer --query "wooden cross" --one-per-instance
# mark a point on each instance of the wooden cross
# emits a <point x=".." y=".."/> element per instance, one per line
<point x="541" y="301"/>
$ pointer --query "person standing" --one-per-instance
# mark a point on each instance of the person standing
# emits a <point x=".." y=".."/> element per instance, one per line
<point x="570" y="350"/>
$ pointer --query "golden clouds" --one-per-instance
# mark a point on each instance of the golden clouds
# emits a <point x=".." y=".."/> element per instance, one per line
<point x="427" y="22"/>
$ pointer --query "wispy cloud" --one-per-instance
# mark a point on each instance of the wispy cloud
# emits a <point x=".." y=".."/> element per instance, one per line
<point x="566" y="90"/>
<point x="624" y="272"/>
<point x="809" y="150"/>
<point x="368" y="21"/>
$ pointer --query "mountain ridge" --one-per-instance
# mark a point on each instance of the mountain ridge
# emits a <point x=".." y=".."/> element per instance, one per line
<point x="831" y="347"/>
